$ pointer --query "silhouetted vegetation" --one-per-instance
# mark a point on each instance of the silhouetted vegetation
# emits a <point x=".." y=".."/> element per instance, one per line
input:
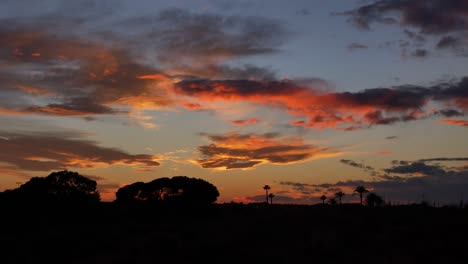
<point x="332" y="201"/>
<point x="62" y="187"/>
<point x="266" y="188"/>
<point x="323" y="198"/>
<point x="374" y="200"/>
<point x="361" y="190"/>
<point x="180" y="190"/>
<point x="118" y="233"/>
<point x="271" y="196"/>
<point x="339" y="195"/>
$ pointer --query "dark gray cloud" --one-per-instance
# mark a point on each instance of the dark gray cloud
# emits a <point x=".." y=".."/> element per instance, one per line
<point x="57" y="150"/>
<point x="429" y="16"/>
<point x="303" y="188"/>
<point x="357" y="46"/>
<point x="213" y="35"/>
<point x="362" y="166"/>
<point x="454" y="43"/>
<point x="189" y="36"/>
<point x="449" y="112"/>
<point x="420" y="53"/>
<point x="445" y="159"/>
<point x="418" y="168"/>
<point x="418" y="38"/>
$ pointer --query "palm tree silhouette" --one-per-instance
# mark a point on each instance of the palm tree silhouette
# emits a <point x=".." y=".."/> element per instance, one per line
<point x="339" y="195"/>
<point x="271" y="195"/>
<point x="323" y="198"/>
<point x="361" y="190"/>
<point x="266" y="188"/>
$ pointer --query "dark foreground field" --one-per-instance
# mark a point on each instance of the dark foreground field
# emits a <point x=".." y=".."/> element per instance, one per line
<point x="235" y="234"/>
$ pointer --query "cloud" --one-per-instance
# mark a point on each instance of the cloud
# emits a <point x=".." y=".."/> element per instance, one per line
<point x="199" y="44"/>
<point x="420" y="53"/>
<point x="53" y="150"/>
<point x="72" y="77"/>
<point x="455" y="43"/>
<point x="415" y="168"/>
<point x="429" y="16"/>
<point x="97" y="70"/>
<point x="445" y="159"/>
<point x="241" y="151"/>
<point x="303" y="188"/>
<point x="364" y="167"/>
<point x="418" y="38"/>
<point x="357" y="46"/>
<point x="450" y="42"/>
<point x="243" y="122"/>
<point x="342" y="111"/>
<point x="449" y="112"/>
<point x="214" y="36"/>
<point x="456" y="122"/>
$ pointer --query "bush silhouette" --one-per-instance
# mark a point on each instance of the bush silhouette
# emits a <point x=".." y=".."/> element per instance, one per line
<point x="176" y="190"/>
<point x="59" y="187"/>
<point x="374" y="200"/>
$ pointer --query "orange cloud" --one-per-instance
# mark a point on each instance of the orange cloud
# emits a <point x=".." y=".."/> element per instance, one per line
<point x="242" y="151"/>
<point x="456" y="122"/>
<point x="322" y="110"/>
<point x="244" y="122"/>
<point x="192" y="106"/>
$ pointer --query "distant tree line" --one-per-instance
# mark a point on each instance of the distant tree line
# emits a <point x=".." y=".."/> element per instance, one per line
<point x="371" y="200"/>
<point x="67" y="187"/>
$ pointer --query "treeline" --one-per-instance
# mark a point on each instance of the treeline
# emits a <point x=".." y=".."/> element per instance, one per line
<point x="71" y="188"/>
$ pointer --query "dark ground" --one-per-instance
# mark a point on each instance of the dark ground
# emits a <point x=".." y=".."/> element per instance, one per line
<point x="234" y="234"/>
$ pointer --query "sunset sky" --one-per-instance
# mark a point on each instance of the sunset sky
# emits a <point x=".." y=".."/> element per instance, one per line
<point x="307" y="96"/>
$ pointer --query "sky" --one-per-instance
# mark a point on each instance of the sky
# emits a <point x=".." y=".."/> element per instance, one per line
<point x="307" y="96"/>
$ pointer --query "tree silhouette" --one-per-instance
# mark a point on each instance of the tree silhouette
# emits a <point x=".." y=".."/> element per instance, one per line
<point x="361" y="190"/>
<point x="323" y="198"/>
<point x="175" y="190"/>
<point x="374" y="200"/>
<point x="62" y="186"/>
<point x="332" y="201"/>
<point x="130" y="193"/>
<point x="266" y="188"/>
<point x="271" y="195"/>
<point x="339" y="195"/>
